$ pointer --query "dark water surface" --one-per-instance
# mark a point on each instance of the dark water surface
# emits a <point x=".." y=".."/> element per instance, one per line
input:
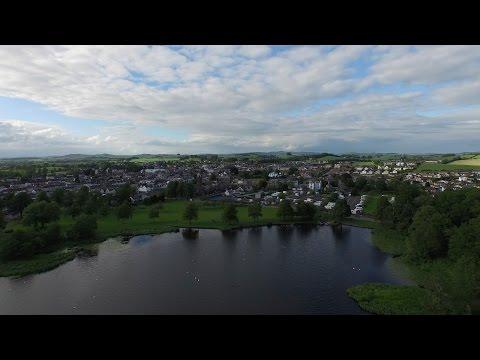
<point x="268" y="270"/>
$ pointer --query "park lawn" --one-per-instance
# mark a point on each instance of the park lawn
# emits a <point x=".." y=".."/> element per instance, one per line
<point x="371" y="204"/>
<point x="385" y="299"/>
<point x="171" y="217"/>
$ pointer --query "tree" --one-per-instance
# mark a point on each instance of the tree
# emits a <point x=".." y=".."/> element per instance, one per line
<point x="285" y="210"/>
<point x="124" y="193"/>
<point x="18" y="244"/>
<point x="68" y="198"/>
<point x="427" y="235"/>
<point x="341" y="210"/>
<point x="40" y="213"/>
<point x="84" y="228"/>
<point x="465" y="240"/>
<point x="154" y="212"/>
<point x="191" y="212"/>
<point x="52" y="235"/>
<point x="171" y="191"/>
<point x="230" y="214"/>
<point x="93" y="205"/>
<point x="19" y="202"/>
<point x="3" y="223"/>
<point x="74" y="210"/>
<point x="383" y="211"/>
<point x="82" y="195"/>
<point x="262" y="184"/>
<point x="306" y="211"/>
<point x="332" y="197"/>
<point x="42" y="196"/>
<point x="255" y="211"/>
<point x="292" y="170"/>
<point x="58" y="196"/>
<point x="125" y="211"/>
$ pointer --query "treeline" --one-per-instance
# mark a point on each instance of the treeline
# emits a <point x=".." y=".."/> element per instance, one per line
<point x="41" y="231"/>
<point x="443" y="229"/>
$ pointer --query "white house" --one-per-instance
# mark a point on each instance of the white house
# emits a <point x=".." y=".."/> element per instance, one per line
<point x="315" y="185"/>
<point x="330" y="206"/>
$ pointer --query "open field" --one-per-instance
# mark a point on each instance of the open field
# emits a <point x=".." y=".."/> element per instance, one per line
<point x="150" y="159"/>
<point x="447" y="167"/>
<point x="473" y="161"/>
<point x="363" y="163"/>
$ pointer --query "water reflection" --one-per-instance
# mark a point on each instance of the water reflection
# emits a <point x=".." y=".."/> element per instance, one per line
<point x="285" y="232"/>
<point x="190" y="234"/>
<point x="305" y="230"/>
<point x="281" y="270"/>
<point x="255" y="233"/>
<point x="230" y="234"/>
<point x="341" y="231"/>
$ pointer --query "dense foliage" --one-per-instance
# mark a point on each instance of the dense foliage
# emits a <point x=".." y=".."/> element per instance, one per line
<point x="441" y="232"/>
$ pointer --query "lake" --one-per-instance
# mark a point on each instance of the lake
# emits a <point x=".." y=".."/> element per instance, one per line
<point x="264" y="270"/>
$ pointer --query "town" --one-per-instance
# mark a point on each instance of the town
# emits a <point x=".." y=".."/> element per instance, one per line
<point x="243" y="180"/>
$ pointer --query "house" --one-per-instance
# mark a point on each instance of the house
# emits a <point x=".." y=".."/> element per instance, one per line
<point x="330" y="206"/>
<point x="315" y="185"/>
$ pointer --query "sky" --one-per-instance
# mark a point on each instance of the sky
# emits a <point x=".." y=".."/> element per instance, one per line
<point x="57" y="100"/>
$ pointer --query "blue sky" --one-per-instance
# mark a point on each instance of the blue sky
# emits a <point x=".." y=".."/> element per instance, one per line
<point x="203" y="99"/>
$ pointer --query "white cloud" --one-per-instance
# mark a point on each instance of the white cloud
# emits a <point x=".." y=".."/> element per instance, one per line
<point x="242" y="97"/>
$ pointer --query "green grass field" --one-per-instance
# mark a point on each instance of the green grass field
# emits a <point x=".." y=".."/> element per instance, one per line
<point x="171" y="217"/>
<point x="473" y="161"/>
<point x="363" y="163"/>
<point x="371" y="204"/>
<point x="151" y="159"/>
<point x="448" y="167"/>
<point x="389" y="241"/>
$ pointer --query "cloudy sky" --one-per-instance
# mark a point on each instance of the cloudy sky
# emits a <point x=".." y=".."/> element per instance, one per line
<point x="58" y="100"/>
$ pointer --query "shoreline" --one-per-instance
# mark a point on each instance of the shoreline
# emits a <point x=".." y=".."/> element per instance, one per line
<point x="45" y="262"/>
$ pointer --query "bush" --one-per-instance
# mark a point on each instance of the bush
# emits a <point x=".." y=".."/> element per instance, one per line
<point x="17" y="245"/>
<point x="52" y="235"/>
<point x="84" y="228"/>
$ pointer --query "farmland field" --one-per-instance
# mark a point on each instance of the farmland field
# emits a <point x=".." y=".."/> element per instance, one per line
<point x="454" y="166"/>
<point x="150" y="159"/>
<point x="473" y="161"/>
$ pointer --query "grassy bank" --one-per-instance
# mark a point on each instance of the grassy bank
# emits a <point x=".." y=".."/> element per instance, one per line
<point x="389" y="241"/>
<point x="170" y="218"/>
<point x="387" y="299"/>
<point x="37" y="264"/>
